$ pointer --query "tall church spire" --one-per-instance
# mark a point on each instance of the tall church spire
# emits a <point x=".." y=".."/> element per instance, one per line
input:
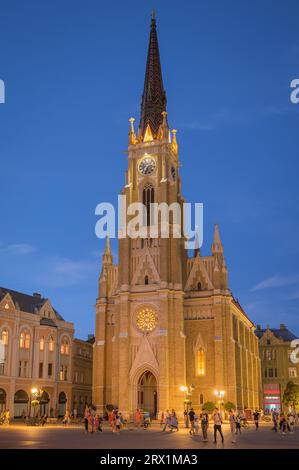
<point x="217" y="245"/>
<point x="154" y="97"/>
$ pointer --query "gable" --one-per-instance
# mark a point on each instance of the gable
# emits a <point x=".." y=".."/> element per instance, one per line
<point x="7" y="304"/>
<point x="198" y="274"/>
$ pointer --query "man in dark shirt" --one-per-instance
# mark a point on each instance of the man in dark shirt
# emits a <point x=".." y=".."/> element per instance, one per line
<point x="191" y="419"/>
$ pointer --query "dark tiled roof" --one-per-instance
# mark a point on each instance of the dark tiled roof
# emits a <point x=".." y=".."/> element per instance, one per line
<point x="25" y="302"/>
<point x="48" y="322"/>
<point x="284" y="334"/>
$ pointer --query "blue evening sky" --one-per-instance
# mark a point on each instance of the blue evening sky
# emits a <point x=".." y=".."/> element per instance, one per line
<point x="74" y="74"/>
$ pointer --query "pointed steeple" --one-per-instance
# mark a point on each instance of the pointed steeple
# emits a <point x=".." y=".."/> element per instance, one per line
<point x="217" y="245"/>
<point x="154" y="98"/>
<point x="107" y="256"/>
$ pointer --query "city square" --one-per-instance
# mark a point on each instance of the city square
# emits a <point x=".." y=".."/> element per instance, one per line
<point x="19" y="436"/>
<point x="149" y="291"/>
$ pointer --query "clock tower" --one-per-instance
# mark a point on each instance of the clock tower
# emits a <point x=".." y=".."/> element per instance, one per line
<point x="155" y="312"/>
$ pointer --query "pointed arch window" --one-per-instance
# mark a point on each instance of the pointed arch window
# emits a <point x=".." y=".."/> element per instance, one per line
<point x="146" y="280"/>
<point x="42" y="344"/>
<point x="65" y="347"/>
<point x="148" y="198"/>
<point x="200" y="366"/>
<point x="4" y="337"/>
<point x="51" y="344"/>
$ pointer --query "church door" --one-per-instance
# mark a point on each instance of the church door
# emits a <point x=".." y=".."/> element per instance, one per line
<point x="147" y="393"/>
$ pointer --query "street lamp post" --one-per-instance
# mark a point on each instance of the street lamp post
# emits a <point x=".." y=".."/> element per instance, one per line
<point x="187" y="402"/>
<point x="219" y="394"/>
<point x="34" y="401"/>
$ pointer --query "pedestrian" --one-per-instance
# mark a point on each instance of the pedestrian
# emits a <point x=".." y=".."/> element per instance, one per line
<point x="137" y="418"/>
<point x="274" y="419"/>
<point x="291" y="422"/>
<point x="191" y="419"/>
<point x="75" y="413"/>
<point x="162" y="418"/>
<point x="117" y="423"/>
<point x="256" y="417"/>
<point x="174" y="421"/>
<point x="186" y="418"/>
<point x="86" y="414"/>
<point x="217" y="425"/>
<point x="238" y="424"/>
<point x="167" y="421"/>
<point x="90" y="423"/>
<point x="196" y="424"/>
<point x="232" y="423"/>
<point x="282" y="423"/>
<point x="204" y="417"/>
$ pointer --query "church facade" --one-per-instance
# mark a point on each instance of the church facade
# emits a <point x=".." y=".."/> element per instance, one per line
<point x="167" y="322"/>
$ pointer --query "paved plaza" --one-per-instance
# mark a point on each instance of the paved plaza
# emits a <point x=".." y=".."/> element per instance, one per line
<point x="19" y="436"/>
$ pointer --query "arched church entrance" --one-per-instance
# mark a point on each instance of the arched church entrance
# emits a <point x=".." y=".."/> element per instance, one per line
<point x="147" y="393"/>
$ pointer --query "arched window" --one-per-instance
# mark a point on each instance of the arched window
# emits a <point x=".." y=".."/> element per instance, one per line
<point x="65" y="347"/>
<point x="201" y="399"/>
<point x="25" y="340"/>
<point x="199" y="286"/>
<point x="148" y="198"/>
<point x="51" y="344"/>
<point x="42" y="344"/>
<point x="22" y="340"/>
<point x="4" y="337"/>
<point x="200" y="362"/>
<point x="146" y="280"/>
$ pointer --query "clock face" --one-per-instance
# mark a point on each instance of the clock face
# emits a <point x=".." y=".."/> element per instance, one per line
<point x="173" y="173"/>
<point x="147" y="166"/>
<point x="146" y="320"/>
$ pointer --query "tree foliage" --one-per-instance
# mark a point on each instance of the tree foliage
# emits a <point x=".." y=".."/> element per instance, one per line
<point x="208" y="406"/>
<point x="291" y="394"/>
<point x="228" y="406"/>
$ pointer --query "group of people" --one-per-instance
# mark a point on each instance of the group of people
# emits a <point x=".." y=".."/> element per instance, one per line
<point x="169" y="421"/>
<point x="284" y="423"/>
<point x="92" y="420"/>
<point x="202" y="421"/>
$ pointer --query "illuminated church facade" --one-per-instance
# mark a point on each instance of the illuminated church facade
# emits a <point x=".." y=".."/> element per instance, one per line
<point x="165" y="320"/>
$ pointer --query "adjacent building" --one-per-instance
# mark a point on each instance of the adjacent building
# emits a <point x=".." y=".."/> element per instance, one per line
<point x="166" y="320"/>
<point x="277" y="367"/>
<point x="82" y="374"/>
<point x="39" y="355"/>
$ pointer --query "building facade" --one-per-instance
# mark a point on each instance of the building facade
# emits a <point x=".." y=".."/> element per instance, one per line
<point x="36" y="349"/>
<point x="165" y="320"/>
<point x="276" y="364"/>
<point x="82" y="374"/>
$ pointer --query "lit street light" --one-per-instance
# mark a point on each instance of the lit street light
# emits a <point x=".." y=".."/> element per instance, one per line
<point x="187" y="402"/>
<point x="219" y="394"/>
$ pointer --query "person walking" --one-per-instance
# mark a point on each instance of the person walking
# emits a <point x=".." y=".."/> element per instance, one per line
<point x="291" y="422"/>
<point x="238" y="424"/>
<point x="217" y="425"/>
<point x="162" y="420"/>
<point x="274" y="420"/>
<point x="167" y="421"/>
<point x="256" y="417"/>
<point x="86" y="414"/>
<point x="137" y="418"/>
<point x="204" y="418"/>
<point x="232" y="423"/>
<point x="282" y="423"/>
<point x="191" y="419"/>
<point x="174" y="422"/>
